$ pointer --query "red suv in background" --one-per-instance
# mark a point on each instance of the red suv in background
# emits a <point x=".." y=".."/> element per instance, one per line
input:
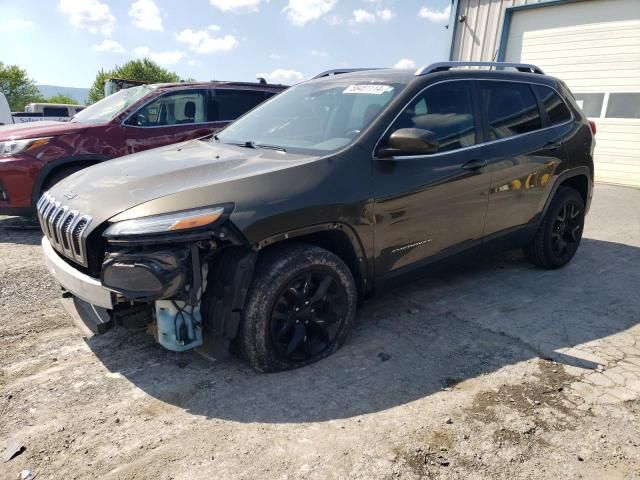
<point x="35" y="156"/>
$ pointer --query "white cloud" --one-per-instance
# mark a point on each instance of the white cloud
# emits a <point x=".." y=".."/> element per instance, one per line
<point x="385" y="14"/>
<point x="280" y="75"/>
<point x="90" y="15"/>
<point x="275" y="56"/>
<point x="300" y="12"/>
<point x="141" y="51"/>
<point x="195" y="63"/>
<point x="109" y="46"/>
<point x="146" y="15"/>
<point x="214" y="28"/>
<point x="168" y="57"/>
<point x="236" y="6"/>
<point x="435" y="15"/>
<point x="405" y="63"/>
<point x="318" y="53"/>
<point x="201" y="41"/>
<point x="10" y="25"/>
<point x="362" y="16"/>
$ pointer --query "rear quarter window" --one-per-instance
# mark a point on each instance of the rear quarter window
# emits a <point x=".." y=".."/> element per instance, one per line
<point x="510" y="108"/>
<point x="557" y="110"/>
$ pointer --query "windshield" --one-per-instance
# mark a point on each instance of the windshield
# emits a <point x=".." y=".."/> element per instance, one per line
<point x="315" y="117"/>
<point x="111" y="106"/>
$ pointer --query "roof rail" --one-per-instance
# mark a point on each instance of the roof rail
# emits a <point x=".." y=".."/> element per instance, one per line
<point x="444" y="66"/>
<point x="338" y="71"/>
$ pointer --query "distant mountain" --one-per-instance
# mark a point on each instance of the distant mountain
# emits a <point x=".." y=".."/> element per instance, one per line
<point x="79" y="94"/>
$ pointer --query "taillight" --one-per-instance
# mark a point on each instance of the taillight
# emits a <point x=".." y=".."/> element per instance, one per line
<point x="592" y="124"/>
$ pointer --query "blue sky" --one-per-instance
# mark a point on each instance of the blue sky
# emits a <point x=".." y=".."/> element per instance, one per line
<point x="65" y="42"/>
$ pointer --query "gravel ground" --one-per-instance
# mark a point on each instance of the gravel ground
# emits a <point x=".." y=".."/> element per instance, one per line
<point x="491" y="370"/>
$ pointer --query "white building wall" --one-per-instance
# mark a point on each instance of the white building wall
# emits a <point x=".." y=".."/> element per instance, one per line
<point x="478" y="37"/>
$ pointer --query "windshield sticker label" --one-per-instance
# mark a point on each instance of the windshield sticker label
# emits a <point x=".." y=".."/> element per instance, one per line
<point x="369" y="89"/>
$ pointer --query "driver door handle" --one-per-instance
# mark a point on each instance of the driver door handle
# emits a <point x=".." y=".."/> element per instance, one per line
<point x="475" y="164"/>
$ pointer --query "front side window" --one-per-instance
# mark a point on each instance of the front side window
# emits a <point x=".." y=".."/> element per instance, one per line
<point x="510" y="107"/>
<point x="556" y="109"/>
<point x="445" y="109"/>
<point x="177" y="108"/>
<point x="230" y="104"/>
<point x="315" y="117"/>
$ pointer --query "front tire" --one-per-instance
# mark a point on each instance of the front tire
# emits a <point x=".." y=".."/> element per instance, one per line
<point x="300" y="308"/>
<point x="558" y="237"/>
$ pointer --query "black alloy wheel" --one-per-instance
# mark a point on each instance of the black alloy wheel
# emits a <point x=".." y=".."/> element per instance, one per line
<point x="560" y="232"/>
<point x="299" y="309"/>
<point x="567" y="230"/>
<point x="307" y="316"/>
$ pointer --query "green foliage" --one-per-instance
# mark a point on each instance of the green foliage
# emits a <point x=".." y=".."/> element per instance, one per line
<point x="18" y="87"/>
<point x="62" y="98"/>
<point x="143" y="70"/>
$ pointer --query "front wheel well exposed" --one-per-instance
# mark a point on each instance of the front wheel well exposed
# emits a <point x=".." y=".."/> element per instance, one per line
<point x="231" y="272"/>
<point x="337" y="241"/>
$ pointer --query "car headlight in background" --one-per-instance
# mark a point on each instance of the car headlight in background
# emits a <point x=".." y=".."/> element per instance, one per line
<point x="11" y="147"/>
<point x="165" y="223"/>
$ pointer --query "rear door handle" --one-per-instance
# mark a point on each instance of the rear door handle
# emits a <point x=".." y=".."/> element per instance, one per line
<point x="552" y="145"/>
<point x="475" y="164"/>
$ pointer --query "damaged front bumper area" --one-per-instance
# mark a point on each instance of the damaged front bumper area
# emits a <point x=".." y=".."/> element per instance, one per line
<point x="81" y="285"/>
<point x="162" y="284"/>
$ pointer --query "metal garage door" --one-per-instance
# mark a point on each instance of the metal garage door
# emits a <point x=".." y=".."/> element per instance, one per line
<point x="594" y="46"/>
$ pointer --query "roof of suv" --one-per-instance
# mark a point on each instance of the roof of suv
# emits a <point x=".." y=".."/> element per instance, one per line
<point x="407" y="75"/>
<point x="213" y="83"/>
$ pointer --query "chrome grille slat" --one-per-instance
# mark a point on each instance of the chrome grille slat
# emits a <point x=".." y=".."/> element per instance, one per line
<point x="66" y="229"/>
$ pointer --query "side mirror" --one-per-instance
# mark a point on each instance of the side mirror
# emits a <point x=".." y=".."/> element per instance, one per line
<point x="410" y="141"/>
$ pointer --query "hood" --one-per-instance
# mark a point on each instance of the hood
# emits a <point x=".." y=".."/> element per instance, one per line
<point x="185" y="175"/>
<point x="47" y="128"/>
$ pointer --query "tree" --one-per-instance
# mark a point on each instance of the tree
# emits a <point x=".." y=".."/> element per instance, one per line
<point x="62" y="98"/>
<point x="143" y="70"/>
<point x="18" y="87"/>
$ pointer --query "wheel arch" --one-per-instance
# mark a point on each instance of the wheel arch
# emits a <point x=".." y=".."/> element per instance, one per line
<point x="52" y="168"/>
<point x="579" y="179"/>
<point x="336" y="237"/>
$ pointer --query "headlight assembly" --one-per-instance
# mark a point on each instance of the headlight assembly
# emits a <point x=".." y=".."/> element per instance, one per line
<point x="165" y="223"/>
<point x="11" y="147"/>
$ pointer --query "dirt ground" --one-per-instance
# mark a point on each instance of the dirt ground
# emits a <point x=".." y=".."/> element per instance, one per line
<point x="492" y="370"/>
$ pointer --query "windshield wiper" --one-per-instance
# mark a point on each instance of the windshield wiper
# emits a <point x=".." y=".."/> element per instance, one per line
<point x="254" y="145"/>
<point x="270" y="147"/>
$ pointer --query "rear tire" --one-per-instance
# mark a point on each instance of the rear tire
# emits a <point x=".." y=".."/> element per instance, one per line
<point x="300" y="308"/>
<point x="558" y="237"/>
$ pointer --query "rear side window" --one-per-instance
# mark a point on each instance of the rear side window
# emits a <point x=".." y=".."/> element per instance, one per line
<point x="445" y="109"/>
<point x="557" y="110"/>
<point x="230" y="104"/>
<point x="510" y="107"/>
<point x="55" y="111"/>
